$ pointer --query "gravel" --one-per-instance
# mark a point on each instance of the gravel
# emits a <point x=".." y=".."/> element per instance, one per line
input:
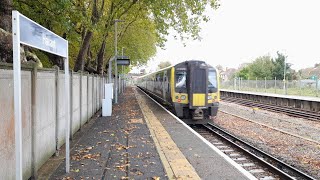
<point x="294" y="150"/>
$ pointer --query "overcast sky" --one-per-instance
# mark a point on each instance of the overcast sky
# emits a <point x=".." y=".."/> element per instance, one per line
<point x="241" y="30"/>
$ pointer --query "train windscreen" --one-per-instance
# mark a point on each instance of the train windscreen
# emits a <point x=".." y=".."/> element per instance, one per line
<point x="212" y="84"/>
<point x="181" y="79"/>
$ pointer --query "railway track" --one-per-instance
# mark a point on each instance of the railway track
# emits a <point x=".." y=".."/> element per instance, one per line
<point x="257" y="162"/>
<point x="262" y="165"/>
<point x="291" y="111"/>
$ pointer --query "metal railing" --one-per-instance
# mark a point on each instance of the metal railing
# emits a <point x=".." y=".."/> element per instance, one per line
<point x="301" y="87"/>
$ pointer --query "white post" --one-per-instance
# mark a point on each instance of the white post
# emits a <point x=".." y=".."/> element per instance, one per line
<point x="275" y="84"/>
<point x="67" y="107"/>
<point x="17" y="92"/>
<point x="265" y="84"/>
<point x="284" y="77"/>
<point x="115" y="64"/>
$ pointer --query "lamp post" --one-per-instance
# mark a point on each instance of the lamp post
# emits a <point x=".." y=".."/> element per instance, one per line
<point x="122" y="84"/>
<point x="116" y="57"/>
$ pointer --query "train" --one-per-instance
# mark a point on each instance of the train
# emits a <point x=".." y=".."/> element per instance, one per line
<point x="190" y="88"/>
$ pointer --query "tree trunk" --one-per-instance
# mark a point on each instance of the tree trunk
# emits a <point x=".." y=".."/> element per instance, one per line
<point x="5" y="15"/>
<point x="101" y="56"/>
<point x="82" y="52"/>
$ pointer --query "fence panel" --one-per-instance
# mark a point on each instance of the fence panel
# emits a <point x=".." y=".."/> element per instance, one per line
<point x="7" y="133"/>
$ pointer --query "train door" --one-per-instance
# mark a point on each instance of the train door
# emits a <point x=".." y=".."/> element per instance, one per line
<point x="198" y="83"/>
<point x="164" y="84"/>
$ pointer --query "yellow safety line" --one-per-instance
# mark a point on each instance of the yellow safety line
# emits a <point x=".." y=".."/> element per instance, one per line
<point x="175" y="163"/>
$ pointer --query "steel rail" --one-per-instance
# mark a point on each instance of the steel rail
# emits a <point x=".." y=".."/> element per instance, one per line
<point x="284" y="170"/>
<point x="287" y="110"/>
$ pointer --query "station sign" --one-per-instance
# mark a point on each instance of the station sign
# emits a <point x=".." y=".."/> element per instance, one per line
<point x="123" y="60"/>
<point x="34" y="35"/>
<point x="27" y="32"/>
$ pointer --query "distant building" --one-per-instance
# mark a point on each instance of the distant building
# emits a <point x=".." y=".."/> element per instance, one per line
<point x="227" y="74"/>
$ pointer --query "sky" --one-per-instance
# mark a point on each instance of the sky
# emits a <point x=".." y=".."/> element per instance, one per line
<point x="242" y="30"/>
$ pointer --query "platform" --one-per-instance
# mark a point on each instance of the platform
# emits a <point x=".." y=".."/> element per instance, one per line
<point x="140" y="141"/>
<point x="305" y="103"/>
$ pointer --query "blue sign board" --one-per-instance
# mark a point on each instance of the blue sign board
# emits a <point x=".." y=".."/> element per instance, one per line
<point x="34" y="35"/>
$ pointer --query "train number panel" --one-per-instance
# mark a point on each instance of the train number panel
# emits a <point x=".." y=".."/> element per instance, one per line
<point x="191" y="88"/>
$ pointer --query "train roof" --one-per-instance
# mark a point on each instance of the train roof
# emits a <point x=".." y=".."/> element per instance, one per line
<point x="175" y="65"/>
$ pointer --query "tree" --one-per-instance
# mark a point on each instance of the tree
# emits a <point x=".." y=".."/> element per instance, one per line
<point x="261" y="68"/>
<point x="164" y="64"/>
<point x="89" y="24"/>
<point x="219" y="67"/>
<point x="5" y="30"/>
<point x="243" y="73"/>
<point x="280" y="69"/>
<point x="279" y="66"/>
<point x="5" y="15"/>
<point x="95" y="17"/>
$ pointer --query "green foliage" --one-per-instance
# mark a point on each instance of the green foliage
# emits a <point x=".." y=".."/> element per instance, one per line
<point x="243" y="73"/>
<point x="147" y="23"/>
<point x="267" y="67"/>
<point x="164" y="64"/>
<point x="261" y="68"/>
<point x="279" y="66"/>
<point x="46" y="63"/>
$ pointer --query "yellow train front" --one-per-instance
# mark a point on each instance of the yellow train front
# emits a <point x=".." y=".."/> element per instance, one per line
<point x="191" y="88"/>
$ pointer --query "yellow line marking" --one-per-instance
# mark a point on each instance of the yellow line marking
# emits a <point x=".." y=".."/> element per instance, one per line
<point x="175" y="163"/>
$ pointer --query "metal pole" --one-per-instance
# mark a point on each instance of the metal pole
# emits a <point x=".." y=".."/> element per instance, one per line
<point x="287" y="81"/>
<point x="115" y="64"/>
<point x="67" y="107"/>
<point x="284" y="77"/>
<point x="17" y="92"/>
<point x="116" y="54"/>
<point x="275" y="84"/>
<point x="109" y="71"/>
<point x="317" y="80"/>
<point x="57" y="109"/>
<point x="300" y="85"/>
<point x="122" y="84"/>
<point x="265" y="84"/>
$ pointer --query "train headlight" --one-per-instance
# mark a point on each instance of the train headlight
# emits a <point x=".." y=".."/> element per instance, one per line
<point x="209" y="97"/>
<point x="177" y="97"/>
<point x="183" y="97"/>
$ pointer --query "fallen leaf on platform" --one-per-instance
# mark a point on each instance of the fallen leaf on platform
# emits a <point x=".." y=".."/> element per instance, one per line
<point x="156" y="178"/>
<point x="67" y="178"/>
<point x="123" y="177"/>
<point x="89" y="148"/>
